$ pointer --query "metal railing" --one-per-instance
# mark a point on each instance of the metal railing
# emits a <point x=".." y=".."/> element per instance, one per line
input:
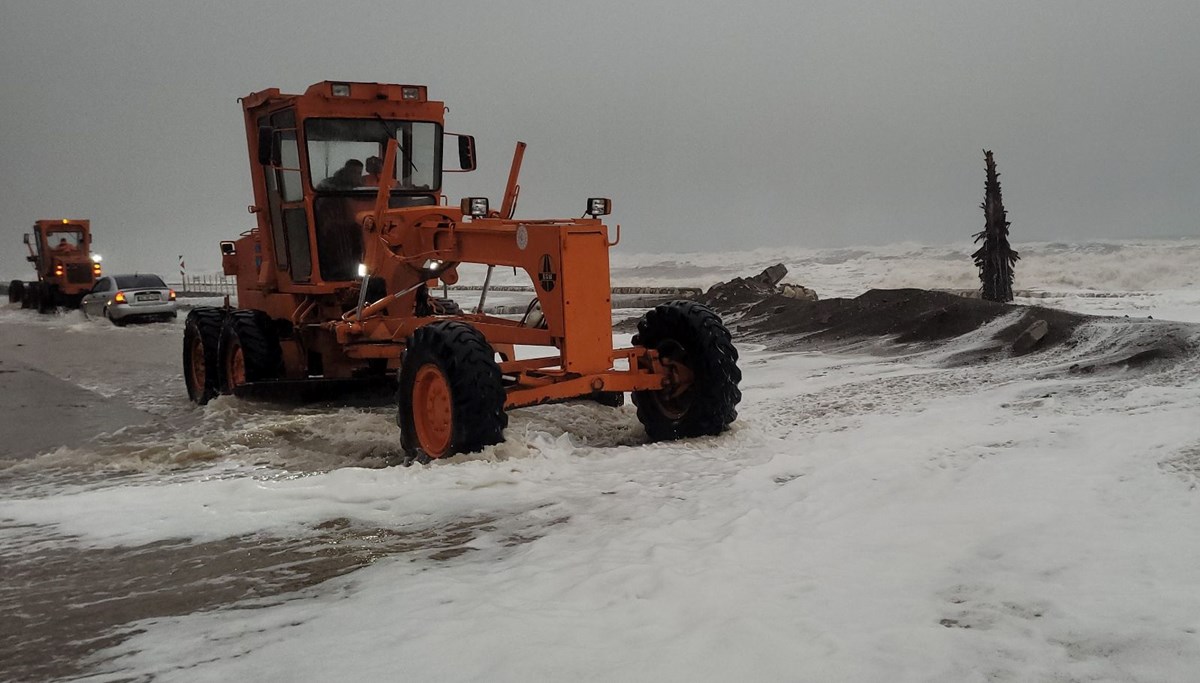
<point x="206" y="285"/>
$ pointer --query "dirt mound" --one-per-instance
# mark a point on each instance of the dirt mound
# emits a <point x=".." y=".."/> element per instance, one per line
<point x="918" y="316"/>
<point x="910" y="315"/>
<point x="787" y="317"/>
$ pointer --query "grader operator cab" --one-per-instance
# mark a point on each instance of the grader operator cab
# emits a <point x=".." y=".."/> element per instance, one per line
<point x="60" y="251"/>
<point x="337" y="282"/>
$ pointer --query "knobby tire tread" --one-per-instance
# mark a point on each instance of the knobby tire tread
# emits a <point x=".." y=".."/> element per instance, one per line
<point x="207" y="322"/>
<point x="711" y="356"/>
<point x="261" y="352"/>
<point x="477" y="391"/>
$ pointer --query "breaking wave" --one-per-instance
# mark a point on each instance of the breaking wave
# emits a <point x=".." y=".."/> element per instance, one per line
<point x="1108" y="266"/>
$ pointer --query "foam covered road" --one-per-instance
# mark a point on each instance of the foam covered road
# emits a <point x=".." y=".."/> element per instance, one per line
<point x="42" y="412"/>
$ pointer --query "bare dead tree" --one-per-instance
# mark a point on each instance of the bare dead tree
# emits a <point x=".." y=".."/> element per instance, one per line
<point x="995" y="258"/>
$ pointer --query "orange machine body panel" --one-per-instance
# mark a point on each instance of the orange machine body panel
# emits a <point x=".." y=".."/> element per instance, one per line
<point x="324" y="206"/>
<point x="285" y="191"/>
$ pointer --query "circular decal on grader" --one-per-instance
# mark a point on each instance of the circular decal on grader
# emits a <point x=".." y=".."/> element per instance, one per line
<point x="546" y="275"/>
<point x="522" y="237"/>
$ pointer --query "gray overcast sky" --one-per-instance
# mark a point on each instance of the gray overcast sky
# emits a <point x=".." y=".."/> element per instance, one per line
<point x="712" y="125"/>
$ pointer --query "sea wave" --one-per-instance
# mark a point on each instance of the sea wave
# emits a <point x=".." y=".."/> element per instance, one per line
<point x="1123" y="266"/>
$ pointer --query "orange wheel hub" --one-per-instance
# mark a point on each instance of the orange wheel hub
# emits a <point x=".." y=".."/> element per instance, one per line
<point x="433" y="410"/>
<point x="673" y="399"/>
<point x="237" y="368"/>
<point x="196" y="365"/>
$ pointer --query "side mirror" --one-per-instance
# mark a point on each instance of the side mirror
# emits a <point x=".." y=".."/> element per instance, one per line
<point x="466" y="153"/>
<point x="266" y="145"/>
<point x="25" y="238"/>
<point x="228" y="248"/>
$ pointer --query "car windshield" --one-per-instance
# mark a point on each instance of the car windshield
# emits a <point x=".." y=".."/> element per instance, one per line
<point x="140" y="282"/>
<point x="346" y="154"/>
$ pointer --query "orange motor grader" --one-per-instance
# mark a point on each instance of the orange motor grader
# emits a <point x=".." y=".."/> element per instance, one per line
<point x="60" y="251"/>
<point x="338" y="282"/>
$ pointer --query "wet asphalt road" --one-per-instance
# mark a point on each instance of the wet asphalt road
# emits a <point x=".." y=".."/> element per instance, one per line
<point x="81" y="404"/>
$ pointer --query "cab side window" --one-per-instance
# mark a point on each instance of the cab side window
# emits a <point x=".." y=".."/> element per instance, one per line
<point x="285" y="195"/>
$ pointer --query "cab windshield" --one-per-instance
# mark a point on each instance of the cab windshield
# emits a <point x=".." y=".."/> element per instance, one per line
<point x="345" y="165"/>
<point x="64" y="239"/>
<point x="347" y="154"/>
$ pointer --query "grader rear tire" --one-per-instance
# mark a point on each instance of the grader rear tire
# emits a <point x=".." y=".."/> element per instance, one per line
<point x="697" y="349"/>
<point x="16" y="291"/>
<point x="46" y="301"/>
<point x="451" y="395"/>
<point x="249" y="350"/>
<point x="201" y="337"/>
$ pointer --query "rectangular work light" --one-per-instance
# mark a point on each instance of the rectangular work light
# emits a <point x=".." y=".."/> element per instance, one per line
<point x="599" y="206"/>
<point x="476" y="207"/>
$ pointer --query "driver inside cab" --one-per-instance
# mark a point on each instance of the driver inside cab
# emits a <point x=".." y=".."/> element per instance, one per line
<point x="347" y="177"/>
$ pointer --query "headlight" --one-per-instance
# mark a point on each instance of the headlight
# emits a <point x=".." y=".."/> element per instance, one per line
<point x="476" y="207"/>
<point x="97" y="258"/>
<point x="434" y="265"/>
<point x="599" y="206"/>
<point x="362" y="270"/>
<point x="341" y="89"/>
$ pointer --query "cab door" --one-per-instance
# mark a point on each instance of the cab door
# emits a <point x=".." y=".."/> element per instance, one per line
<point x="285" y="199"/>
<point x="39" y="251"/>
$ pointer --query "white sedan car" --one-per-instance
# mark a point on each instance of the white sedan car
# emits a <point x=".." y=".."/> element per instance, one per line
<point x="126" y="298"/>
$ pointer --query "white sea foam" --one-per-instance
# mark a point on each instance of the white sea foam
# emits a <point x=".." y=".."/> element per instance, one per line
<point x="864" y="514"/>
<point x="866" y="519"/>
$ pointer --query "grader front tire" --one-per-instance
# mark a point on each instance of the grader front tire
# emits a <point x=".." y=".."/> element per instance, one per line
<point x="698" y="353"/>
<point x="451" y="395"/>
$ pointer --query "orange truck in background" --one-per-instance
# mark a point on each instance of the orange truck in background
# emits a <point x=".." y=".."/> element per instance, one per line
<point x="60" y="251"/>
